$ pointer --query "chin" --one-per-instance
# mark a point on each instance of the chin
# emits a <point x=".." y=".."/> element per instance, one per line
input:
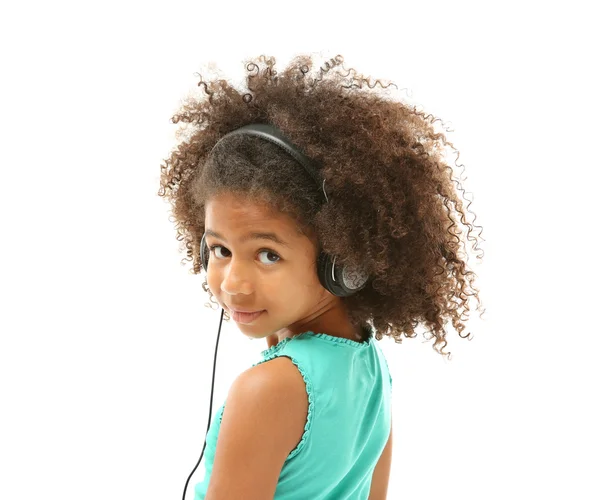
<point x="252" y="335"/>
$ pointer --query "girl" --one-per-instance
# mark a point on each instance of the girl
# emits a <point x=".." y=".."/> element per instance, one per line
<point x="312" y="419"/>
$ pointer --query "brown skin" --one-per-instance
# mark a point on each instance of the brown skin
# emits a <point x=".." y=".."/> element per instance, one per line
<point x="394" y="203"/>
<point x="261" y="274"/>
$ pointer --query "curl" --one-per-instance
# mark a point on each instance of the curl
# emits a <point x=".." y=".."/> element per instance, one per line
<point x="394" y="206"/>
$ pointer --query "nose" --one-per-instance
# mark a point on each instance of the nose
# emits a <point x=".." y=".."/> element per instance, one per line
<point x="237" y="278"/>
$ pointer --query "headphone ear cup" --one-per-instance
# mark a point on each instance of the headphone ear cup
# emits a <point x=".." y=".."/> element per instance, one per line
<point x="339" y="280"/>
<point x="323" y="271"/>
<point x="203" y="253"/>
<point x="352" y="279"/>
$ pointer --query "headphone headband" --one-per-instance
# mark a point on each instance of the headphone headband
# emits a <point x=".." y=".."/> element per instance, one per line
<point x="276" y="136"/>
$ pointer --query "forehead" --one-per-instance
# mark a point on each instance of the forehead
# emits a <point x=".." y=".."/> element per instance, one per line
<point x="238" y="214"/>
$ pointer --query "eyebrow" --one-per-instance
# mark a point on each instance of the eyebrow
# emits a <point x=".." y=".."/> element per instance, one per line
<point x="252" y="236"/>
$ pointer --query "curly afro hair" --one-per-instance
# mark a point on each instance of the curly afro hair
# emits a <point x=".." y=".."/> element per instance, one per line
<point x="392" y="210"/>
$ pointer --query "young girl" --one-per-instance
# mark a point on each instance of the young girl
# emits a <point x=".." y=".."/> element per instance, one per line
<point x="321" y="263"/>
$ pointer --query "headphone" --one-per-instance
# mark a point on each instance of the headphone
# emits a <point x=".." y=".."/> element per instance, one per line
<point x="340" y="281"/>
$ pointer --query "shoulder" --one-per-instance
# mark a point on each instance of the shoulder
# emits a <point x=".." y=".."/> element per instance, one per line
<point x="264" y="417"/>
<point x="271" y="383"/>
<point x="278" y="389"/>
<point x="277" y="373"/>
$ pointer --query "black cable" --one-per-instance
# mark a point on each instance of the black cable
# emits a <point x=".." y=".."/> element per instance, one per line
<point x="211" y="402"/>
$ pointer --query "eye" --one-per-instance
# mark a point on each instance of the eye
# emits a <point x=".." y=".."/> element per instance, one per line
<point x="268" y="262"/>
<point x="213" y="247"/>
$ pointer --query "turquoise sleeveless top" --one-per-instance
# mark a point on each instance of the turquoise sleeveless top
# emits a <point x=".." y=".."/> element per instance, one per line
<point x="349" y="390"/>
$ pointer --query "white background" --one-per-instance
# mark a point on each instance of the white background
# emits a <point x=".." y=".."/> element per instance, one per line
<point x="106" y="349"/>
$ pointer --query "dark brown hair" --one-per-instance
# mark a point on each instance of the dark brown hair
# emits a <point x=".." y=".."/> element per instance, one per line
<point x="393" y="208"/>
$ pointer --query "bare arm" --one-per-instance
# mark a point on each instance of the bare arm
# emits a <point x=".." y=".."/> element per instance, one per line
<point x="381" y="474"/>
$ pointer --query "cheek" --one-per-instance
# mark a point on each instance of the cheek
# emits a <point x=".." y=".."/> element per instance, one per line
<point x="213" y="283"/>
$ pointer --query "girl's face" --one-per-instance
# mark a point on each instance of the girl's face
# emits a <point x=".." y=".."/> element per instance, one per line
<point x="258" y="262"/>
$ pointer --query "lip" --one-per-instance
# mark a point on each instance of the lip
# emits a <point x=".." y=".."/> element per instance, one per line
<point x="246" y="311"/>
<point x="245" y="318"/>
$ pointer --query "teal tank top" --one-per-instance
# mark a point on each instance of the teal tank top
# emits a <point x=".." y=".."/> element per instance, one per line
<point x="349" y="390"/>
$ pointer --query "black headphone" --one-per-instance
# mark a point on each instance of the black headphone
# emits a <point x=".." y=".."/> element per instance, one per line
<point x="340" y="281"/>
